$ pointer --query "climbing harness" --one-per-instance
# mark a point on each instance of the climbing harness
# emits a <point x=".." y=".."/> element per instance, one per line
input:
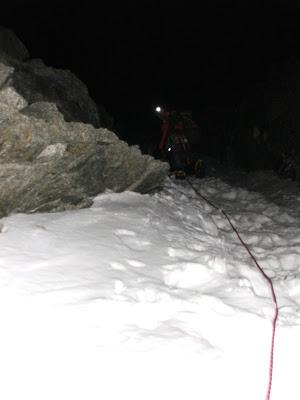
<point x="266" y="277"/>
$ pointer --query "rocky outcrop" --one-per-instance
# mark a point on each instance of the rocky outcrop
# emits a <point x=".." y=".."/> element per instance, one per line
<point x="53" y="153"/>
<point x="48" y="164"/>
<point x="11" y="45"/>
<point x="35" y="82"/>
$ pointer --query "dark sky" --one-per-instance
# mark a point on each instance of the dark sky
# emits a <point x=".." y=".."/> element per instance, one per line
<point x="133" y="55"/>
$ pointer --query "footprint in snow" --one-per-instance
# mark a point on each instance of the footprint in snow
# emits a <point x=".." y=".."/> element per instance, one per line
<point x="118" y="266"/>
<point x="124" y="232"/>
<point x="173" y="228"/>
<point x="130" y="240"/>
<point x="181" y="254"/>
<point x="136" y="263"/>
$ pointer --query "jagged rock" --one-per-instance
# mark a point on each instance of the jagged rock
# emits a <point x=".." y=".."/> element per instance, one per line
<point x="11" y="45"/>
<point x="5" y="72"/>
<point x="106" y="120"/>
<point x="36" y="82"/>
<point x="48" y="164"/>
<point x="10" y="102"/>
<point x="53" y="154"/>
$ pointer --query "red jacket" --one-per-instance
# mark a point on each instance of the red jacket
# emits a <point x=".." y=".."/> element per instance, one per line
<point x="165" y="129"/>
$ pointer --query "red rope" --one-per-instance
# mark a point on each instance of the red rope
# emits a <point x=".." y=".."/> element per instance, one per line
<point x="267" y="278"/>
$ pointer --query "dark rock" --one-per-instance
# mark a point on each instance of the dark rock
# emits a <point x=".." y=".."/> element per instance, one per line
<point x="262" y="130"/>
<point x="11" y="45"/>
<point x="36" y="82"/>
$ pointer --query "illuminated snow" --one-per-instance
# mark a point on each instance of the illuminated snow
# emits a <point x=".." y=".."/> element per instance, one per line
<point x="152" y="297"/>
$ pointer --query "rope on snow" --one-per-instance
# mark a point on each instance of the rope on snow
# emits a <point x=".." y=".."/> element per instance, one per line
<point x="267" y="278"/>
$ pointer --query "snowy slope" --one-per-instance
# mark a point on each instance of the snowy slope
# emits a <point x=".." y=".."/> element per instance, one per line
<point x="152" y="297"/>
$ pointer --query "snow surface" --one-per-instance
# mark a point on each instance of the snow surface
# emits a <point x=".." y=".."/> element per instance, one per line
<point x="152" y="296"/>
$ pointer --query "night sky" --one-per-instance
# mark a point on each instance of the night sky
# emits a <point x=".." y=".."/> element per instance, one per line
<point x="133" y="55"/>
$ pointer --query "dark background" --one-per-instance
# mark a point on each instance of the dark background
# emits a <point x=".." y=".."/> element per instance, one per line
<point x="133" y="55"/>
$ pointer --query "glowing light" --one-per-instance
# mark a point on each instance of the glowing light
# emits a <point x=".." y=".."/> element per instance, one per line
<point x="158" y="109"/>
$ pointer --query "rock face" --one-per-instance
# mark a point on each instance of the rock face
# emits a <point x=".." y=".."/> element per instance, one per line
<point x="35" y="82"/>
<point x="50" y="162"/>
<point x="12" y="45"/>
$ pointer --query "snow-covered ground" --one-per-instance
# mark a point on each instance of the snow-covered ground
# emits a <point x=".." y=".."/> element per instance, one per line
<point x="152" y="296"/>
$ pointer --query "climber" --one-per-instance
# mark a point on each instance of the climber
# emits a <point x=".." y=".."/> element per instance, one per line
<point x="173" y="144"/>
